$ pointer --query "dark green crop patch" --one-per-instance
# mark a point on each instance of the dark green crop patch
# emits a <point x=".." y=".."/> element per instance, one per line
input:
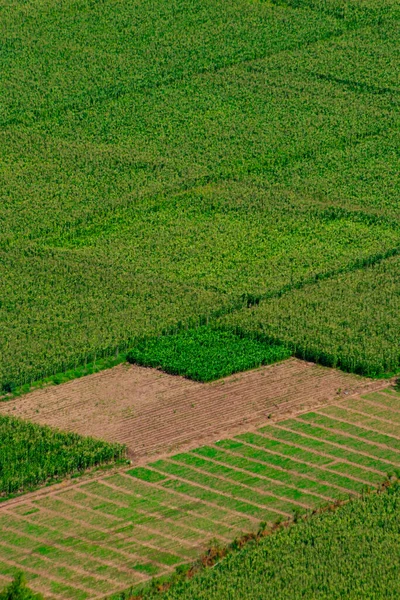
<point x="205" y="354"/>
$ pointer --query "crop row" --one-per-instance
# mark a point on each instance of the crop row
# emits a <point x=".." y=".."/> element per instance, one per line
<point x="237" y="162"/>
<point x="349" y="321"/>
<point x="32" y="455"/>
<point x="103" y="535"/>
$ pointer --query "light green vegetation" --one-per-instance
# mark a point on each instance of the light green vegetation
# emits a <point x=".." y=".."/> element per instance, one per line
<point x="350" y="553"/>
<point x="205" y="354"/>
<point x="32" y="455"/>
<point x="103" y="535"/>
<point x="169" y="162"/>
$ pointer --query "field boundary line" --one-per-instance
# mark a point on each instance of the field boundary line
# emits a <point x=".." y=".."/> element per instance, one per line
<point x="289" y="471"/>
<point x="69" y="483"/>
<point x="201" y="501"/>
<point x="318" y="453"/>
<point x="61" y="580"/>
<point x="79" y="569"/>
<point x="382" y="407"/>
<point x="253" y="421"/>
<point x="238" y="483"/>
<point x="110" y="533"/>
<point x="101" y="544"/>
<point x="150" y="514"/>
<point x="297" y="474"/>
<point x="138" y="525"/>
<point x="212" y="69"/>
<point x="336" y="445"/>
<point x="372" y="429"/>
<point x="225" y="494"/>
<point x="391" y="393"/>
<point x="183" y="511"/>
<point x="264" y="477"/>
<point x="72" y="549"/>
<point x="369" y="415"/>
<point x="249" y="300"/>
<point x="349" y="435"/>
<point x="318" y="467"/>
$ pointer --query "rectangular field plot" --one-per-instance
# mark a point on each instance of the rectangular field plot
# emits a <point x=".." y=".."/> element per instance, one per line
<point x="389" y="399"/>
<point x="98" y="537"/>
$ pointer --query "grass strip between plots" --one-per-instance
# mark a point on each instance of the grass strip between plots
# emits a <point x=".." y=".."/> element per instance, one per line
<point x="303" y="559"/>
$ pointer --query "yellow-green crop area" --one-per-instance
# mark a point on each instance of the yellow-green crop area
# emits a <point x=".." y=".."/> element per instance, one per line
<point x="167" y="163"/>
<point x="100" y="536"/>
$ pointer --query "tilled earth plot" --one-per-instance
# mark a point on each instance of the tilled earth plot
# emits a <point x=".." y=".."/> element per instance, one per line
<point x="152" y="412"/>
<point x="95" y="537"/>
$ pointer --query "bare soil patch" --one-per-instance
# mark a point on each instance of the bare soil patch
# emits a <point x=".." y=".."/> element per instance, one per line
<point x="155" y="413"/>
<point x="127" y="527"/>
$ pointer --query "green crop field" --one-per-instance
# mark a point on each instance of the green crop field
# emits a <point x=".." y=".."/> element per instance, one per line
<point x="205" y="354"/>
<point x="351" y="553"/>
<point x="350" y="320"/>
<point x="100" y="536"/>
<point x="164" y="164"/>
<point x="203" y="187"/>
<point x="32" y="455"/>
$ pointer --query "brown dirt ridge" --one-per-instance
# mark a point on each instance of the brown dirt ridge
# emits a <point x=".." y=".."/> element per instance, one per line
<point x="88" y="538"/>
<point x="154" y="413"/>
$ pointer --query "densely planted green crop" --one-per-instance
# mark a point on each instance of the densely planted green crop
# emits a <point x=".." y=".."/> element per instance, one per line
<point x="144" y="271"/>
<point x="350" y="321"/>
<point x="31" y="455"/>
<point x="205" y="354"/>
<point x="169" y="162"/>
<point x="350" y="553"/>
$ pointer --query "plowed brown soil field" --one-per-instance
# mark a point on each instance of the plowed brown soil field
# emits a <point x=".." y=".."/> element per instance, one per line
<point x="152" y="412"/>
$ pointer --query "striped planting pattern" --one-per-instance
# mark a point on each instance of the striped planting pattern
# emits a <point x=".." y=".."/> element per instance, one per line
<point x="93" y="538"/>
